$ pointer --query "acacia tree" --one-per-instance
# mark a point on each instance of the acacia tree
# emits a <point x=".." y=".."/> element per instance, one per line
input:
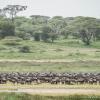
<point x="86" y="36"/>
<point x="12" y="10"/>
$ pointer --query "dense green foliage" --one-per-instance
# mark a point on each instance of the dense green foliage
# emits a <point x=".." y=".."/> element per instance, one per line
<point x="44" y="28"/>
<point x="6" y="29"/>
<point x="20" y="96"/>
<point x="48" y="29"/>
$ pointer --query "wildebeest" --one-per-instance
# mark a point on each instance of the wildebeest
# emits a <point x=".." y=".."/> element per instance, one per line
<point x="50" y="77"/>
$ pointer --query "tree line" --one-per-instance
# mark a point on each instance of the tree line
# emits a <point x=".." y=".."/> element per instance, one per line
<point x="45" y="28"/>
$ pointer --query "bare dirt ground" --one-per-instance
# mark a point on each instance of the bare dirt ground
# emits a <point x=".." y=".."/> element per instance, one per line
<point x="44" y="61"/>
<point x="55" y="91"/>
<point x="23" y="60"/>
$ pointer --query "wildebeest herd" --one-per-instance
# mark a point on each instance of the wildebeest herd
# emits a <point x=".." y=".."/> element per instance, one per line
<point x="50" y="77"/>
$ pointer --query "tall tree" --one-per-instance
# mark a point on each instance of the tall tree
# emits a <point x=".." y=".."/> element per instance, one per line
<point x="57" y="23"/>
<point x="12" y="10"/>
<point x="86" y="36"/>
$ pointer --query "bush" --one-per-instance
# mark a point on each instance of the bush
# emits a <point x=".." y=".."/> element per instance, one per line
<point x="6" y="29"/>
<point x="45" y="37"/>
<point x="37" y="36"/>
<point x="25" y="49"/>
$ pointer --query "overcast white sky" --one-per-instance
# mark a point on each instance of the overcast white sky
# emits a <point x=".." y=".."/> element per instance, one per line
<point x="66" y="8"/>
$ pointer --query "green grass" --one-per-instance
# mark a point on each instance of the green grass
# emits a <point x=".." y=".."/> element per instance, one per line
<point x="67" y="49"/>
<point x="60" y="49"/>
<point x="21" y="96"/>
<point x="75" y="66"/>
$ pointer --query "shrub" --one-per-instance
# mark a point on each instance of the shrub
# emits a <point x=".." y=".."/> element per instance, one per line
<point x="25" y="49"/>
<point x="6" y="29"/>
<point x="36" y="36"/>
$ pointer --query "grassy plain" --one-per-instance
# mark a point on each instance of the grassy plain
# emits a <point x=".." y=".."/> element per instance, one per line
<point x="73" y="66"/>
<point x="78" y="57"/>
<point x="60" y="49"/>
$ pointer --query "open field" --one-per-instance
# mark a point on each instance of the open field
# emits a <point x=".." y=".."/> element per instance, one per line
<point x="49" y="65"/>
<point x="71" y="49"/>
<point x="68" y="55"/>
<point x="61" y="56"/>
